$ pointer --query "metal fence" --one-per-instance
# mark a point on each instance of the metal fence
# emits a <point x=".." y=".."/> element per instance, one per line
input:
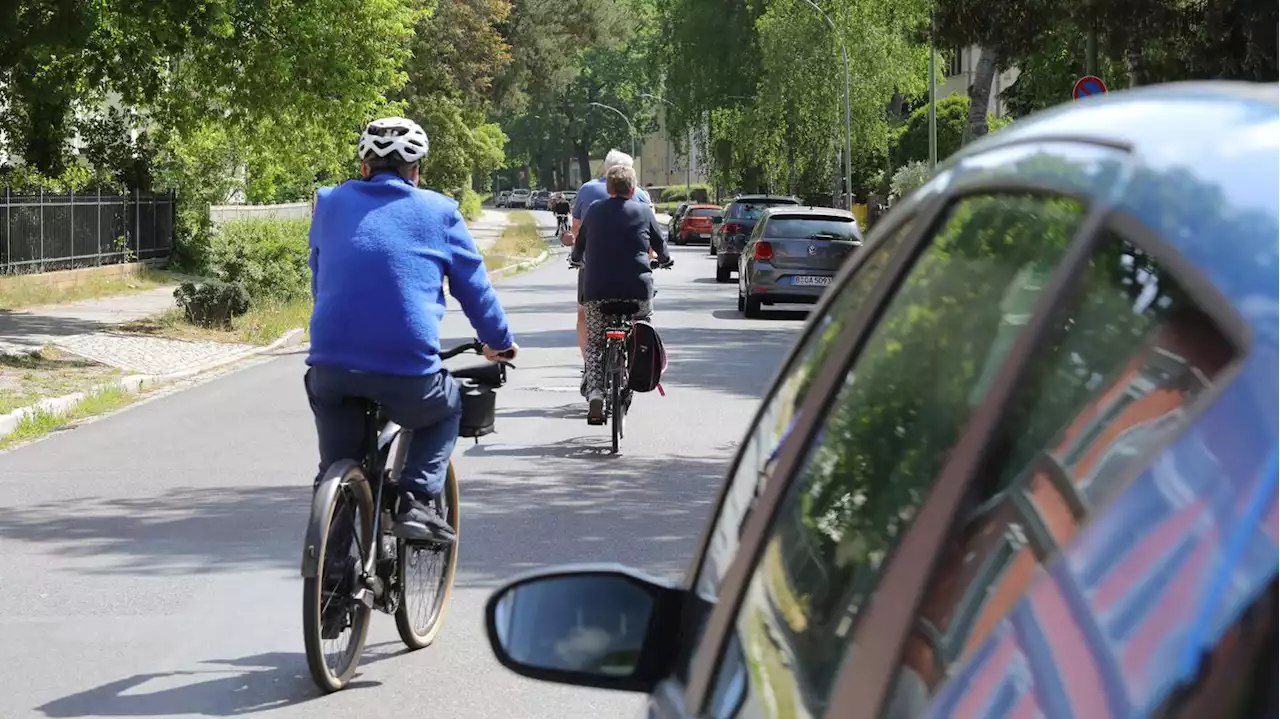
<point x="43" y="232"/>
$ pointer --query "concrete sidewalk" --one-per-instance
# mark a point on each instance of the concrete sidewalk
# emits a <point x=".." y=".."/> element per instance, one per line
<point x="87" y="329"/>
<point x="487" y="228"/>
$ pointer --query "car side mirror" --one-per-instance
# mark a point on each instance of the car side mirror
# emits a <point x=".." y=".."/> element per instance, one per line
<point x="602" y="626"/>
<point x="716" y="220"/>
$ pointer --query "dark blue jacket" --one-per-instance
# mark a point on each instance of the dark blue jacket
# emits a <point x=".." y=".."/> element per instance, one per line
<point x="613" y="243"/>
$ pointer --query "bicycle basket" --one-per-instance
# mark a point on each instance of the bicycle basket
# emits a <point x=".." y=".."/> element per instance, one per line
<point x="479" y="402"/>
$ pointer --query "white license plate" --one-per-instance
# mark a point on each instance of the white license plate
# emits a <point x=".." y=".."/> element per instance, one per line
<point x="703" y="236"/>
<point x="811" y="281"/>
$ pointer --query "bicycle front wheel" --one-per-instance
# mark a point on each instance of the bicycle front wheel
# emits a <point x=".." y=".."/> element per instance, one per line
<point x="334" y="620"/>
<point x="426" y="572"/>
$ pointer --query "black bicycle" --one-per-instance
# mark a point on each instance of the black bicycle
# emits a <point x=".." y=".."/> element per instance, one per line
<point x="353" y="564"/>
<point x="618" y="316"/>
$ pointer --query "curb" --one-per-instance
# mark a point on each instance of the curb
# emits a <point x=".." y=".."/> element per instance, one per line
<point x="526" y="264"/>
<point x="133" y="384"/>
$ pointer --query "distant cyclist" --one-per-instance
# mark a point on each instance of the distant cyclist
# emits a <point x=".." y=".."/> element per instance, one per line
<point x="561" y="207"/>
<point x="381" y="250"/>
<point x="616" y="239"/>
<point x="591" y="192"/>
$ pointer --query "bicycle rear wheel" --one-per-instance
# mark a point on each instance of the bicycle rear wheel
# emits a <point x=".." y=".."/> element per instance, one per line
<point x="334" y="622"/>
<point x="615" y="407"/>
<point x="426" y="574"/>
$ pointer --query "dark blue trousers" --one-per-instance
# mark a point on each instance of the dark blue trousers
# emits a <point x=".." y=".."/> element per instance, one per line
<point x="429" y="405"/>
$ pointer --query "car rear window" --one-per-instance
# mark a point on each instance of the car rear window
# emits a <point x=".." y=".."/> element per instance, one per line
<point x="708" y="212"/>
<point x="815" y="228"/>
<point x="752" y="210"/>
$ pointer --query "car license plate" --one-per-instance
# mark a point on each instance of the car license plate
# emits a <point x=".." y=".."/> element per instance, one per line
<point x="811" y="281"/>
<point x="704" y="236"/>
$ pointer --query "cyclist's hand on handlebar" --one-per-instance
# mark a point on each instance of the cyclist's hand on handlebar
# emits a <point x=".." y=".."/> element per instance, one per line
<point x="503" y="355"/>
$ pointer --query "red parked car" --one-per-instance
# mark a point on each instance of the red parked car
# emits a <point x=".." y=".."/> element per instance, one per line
<point x="695" y="224"/>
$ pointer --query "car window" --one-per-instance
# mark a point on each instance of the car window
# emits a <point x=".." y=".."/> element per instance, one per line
<point x="1130" y="352"/>
<point x="1237" y="678"/>
<point x="707" y="212"/>
<point x="891" y="425"/>
<point x="752" y="210"/>
<point x="804" y="228"/>
<point x="756" y="458"/>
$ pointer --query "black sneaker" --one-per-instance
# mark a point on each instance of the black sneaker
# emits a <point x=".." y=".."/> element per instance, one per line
<point x="416" y="521"/>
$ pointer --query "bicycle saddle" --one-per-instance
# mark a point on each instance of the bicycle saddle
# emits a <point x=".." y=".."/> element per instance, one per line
<point x="618" y="308"/>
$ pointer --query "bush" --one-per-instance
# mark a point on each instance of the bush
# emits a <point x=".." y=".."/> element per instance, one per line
<point x="468" y="203"/>
<point x="212" y="303"/>
<point x="680" y="193"/>
<point x="909" y="177"/>
<point x="267" y="256"/>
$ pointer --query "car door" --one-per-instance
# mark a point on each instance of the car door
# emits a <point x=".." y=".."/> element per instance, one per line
<point x="751" y="467"/>
<point x="869" y="454"/>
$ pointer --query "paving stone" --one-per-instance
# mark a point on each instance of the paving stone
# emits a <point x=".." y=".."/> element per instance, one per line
<point x="141" y="354"/>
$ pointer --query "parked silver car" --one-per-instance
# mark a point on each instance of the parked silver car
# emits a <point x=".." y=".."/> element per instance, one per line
<point x="519" y="198"/>
<point x="792" y="254"/>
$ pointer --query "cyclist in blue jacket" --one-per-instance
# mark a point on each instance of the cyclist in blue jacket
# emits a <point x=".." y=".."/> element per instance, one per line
<point x="381" y="250"/>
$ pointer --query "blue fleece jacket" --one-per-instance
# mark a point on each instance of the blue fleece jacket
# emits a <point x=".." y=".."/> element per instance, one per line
<point x="380" y="251"/>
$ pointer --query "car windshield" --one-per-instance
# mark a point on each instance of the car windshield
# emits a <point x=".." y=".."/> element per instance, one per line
<point x="813" y="228"/>
<point x="752" y="210"/>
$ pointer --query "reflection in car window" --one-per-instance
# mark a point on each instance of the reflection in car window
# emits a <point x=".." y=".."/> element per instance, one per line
<point x="1130" y="352"/>
<point x="704" y="212"/>
<point x="891" y="426"/>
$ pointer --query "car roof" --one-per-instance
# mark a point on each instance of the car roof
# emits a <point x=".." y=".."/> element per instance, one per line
<point x="757" y="198"/>
<point x="808" y="211"/>
<point x="1192" y="187"/>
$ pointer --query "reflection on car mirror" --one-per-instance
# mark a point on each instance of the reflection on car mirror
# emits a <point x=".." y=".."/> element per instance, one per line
<point x="609" y="627"/>
<point x="716" y="219"/>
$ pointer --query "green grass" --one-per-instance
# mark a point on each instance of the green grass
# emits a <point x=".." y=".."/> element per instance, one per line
<point x="21" y="292"/>
<point x="262" y="325"/>
<point x="519" y="240"/>
<point x="40" y="423"/>
<point x="28" y="378"/>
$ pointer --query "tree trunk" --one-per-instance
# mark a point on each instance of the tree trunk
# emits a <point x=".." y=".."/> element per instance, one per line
<point x="584" y="160"/>
<point x="1133" y="61"/>
<point x="984" y="75"/>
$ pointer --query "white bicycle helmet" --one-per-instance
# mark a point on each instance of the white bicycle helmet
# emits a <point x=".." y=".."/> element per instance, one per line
<point x="404" y="138"/>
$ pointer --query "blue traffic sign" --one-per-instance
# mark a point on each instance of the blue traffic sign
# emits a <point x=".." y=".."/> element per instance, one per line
<point x="1089" y="85"/>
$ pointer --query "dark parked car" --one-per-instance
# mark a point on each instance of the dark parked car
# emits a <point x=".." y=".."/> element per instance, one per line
<point x="732" y="230"/>
<point x="1020" y="462"/>
<point x="792" y="255"/>
<point x="541" y="200"/>
<point x="696" y="224"/>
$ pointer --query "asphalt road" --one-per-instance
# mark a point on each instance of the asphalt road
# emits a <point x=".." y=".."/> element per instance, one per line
<point x="149" y="560"/>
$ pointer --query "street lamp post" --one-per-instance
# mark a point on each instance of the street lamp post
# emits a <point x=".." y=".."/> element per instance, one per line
<point x="688" y="163"/>
<point x="625" y="119"/>
<point x="848" y="138"/>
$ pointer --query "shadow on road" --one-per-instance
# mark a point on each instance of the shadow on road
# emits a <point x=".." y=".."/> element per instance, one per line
<point x="765" y="314"/>
<point x="228" y="687"/>
<point x="602" y="508"/>
<point x="181" y="531"/>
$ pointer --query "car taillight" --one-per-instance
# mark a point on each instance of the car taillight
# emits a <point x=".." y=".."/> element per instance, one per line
<point x="732" y="228"/>
<point x="764" y="251"/>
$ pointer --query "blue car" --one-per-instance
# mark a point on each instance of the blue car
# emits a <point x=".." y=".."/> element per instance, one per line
<point x="1021" y="462"/>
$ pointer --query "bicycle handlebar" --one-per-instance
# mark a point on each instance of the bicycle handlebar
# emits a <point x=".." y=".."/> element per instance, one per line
<point x="473" y="346"/>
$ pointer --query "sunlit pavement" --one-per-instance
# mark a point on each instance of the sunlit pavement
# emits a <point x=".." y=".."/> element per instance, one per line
<point x="149" y="561"/>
